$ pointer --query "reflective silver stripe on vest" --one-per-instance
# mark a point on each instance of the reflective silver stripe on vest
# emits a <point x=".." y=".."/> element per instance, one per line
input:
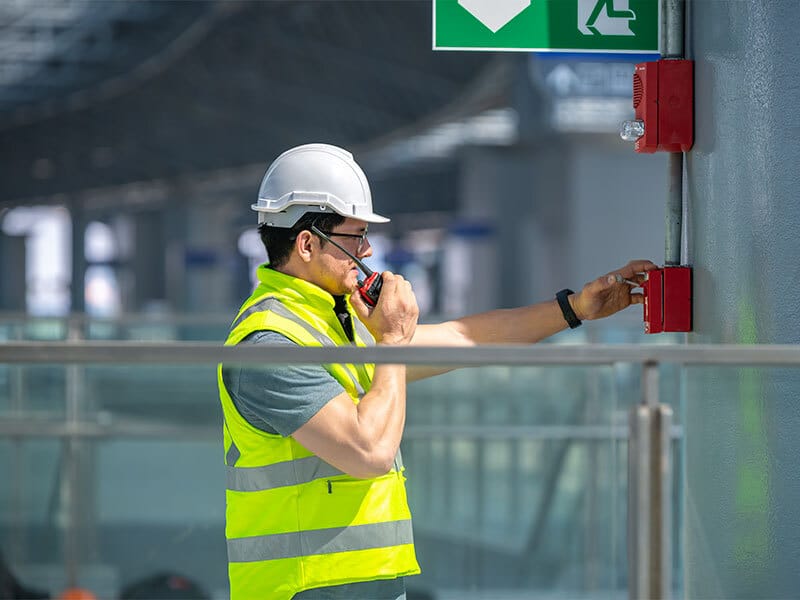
<point x="232" y="455"/>
<point x="320" y="541"/>
<point x="290" y="472"/>
<point x="274" y="305"/>
<point x="363" y="332"/>
<point x="359" y="390"/>
<point x="398" y="461"/>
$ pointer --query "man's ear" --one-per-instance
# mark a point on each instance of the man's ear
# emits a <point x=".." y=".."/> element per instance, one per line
<point x="304" y="246"/>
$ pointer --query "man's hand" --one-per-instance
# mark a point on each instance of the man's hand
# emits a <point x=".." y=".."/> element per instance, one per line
<point x="393" y="320"/>
<point x="605" y="295"/>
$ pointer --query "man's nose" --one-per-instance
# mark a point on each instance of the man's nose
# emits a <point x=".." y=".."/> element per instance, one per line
<point x="366" y="250"/>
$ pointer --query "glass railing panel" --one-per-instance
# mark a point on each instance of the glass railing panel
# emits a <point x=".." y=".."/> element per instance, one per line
<point x="32" y="522"/>
<point x="160" y="508"/>
<point x="39" y="389"/>
<point x="741" y="523"/>
<point x="182" y="396"/>
<point x="31" y="472"/>
<point x="518" y="480"/>
<point x="113" y="513"/>
<point x="516" y="477"/>
<point x="126" y="484"/>
<point x="158" y="328"/>
<point x="132" y="327"/>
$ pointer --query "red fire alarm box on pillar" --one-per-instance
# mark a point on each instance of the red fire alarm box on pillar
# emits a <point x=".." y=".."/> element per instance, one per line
<point x="668" y="300"/>
<point x="663" y="98"/>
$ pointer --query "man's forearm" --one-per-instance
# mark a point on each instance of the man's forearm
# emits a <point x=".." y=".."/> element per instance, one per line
<point x="524" y="325"/>
<point x="382" y="411"/>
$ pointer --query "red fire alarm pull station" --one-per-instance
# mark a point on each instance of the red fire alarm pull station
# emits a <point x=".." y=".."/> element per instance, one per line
<point x="663" y="98"/>
<point x="668" y="300"/>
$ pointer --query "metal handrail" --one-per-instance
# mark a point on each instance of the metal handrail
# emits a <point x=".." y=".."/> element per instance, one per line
<point x="174" y="353"/>
<point x="649" y="502"/>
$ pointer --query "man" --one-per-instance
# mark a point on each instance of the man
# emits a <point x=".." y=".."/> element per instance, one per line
<point x="316" y="502"/>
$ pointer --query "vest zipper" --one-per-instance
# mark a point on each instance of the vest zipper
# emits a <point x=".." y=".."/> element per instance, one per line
<point x="330" y="487"/>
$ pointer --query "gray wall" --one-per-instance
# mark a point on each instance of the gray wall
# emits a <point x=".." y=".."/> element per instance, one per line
<point x="618" y="201"/>
<point x="742" y="529"/>
<point x="561" y="215"/>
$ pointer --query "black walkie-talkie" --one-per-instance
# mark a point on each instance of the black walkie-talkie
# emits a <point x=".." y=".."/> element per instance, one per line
<point x="369" y="288"/>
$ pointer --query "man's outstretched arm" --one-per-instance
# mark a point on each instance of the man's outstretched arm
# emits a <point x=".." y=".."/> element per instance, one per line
<point x="600" y="298"/>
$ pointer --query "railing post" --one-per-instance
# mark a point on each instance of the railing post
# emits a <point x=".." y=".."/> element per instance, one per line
<point x="17" y="549"/>
<point x="72" y="494"/>
<point x="649" y="494"/>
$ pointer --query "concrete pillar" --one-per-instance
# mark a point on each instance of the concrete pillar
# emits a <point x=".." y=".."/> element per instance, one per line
<point x="12" y="273"/>
<point x="515" y="215"/>
<point x="209" y="254"/>
<point x="147" y="260"/>
<point x="78" y="279"/>
<point x="741" y="530"/>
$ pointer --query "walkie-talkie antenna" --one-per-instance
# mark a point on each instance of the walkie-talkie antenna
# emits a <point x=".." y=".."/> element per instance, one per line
<point x="364" y="268"/>
<point x="369" y="288"/>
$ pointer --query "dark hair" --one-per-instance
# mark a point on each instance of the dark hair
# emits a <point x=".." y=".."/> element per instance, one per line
<point x="279" y="240"/>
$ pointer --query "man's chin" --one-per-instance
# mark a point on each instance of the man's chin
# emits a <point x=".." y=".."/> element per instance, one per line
<point x="348" y="288"/>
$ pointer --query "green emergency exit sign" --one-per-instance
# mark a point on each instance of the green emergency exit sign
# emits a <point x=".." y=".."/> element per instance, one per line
<point x="548" y="25"/>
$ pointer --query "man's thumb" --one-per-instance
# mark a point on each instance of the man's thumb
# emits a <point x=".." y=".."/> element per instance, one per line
<point x="361" y="308"/>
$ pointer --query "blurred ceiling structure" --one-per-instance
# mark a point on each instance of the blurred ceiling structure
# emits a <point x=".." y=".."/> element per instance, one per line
<point x="108" y="103"/>
<point x="49" y="50"/>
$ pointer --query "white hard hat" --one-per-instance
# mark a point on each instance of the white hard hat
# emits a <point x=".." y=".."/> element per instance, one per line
<point x="314" y="178"/>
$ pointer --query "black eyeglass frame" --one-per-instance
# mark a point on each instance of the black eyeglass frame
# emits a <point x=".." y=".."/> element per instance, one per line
<point x="362" y="236"/>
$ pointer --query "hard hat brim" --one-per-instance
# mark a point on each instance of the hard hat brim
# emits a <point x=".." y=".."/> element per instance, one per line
<point x="292" y="213"/>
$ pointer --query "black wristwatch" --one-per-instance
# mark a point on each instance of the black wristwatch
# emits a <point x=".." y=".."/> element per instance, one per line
<point x="566" y="309"/>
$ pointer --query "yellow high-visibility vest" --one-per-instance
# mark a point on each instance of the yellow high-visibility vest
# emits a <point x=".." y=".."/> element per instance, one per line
<point x="293" y="521"/>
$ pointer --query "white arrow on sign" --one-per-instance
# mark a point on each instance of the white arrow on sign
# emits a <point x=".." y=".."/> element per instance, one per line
<point x="605" y="17"/>
<point x="495" y="13"/>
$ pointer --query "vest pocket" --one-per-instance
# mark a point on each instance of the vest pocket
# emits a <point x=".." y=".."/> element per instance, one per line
<point x="351" y="485"/>
<point x="356" y="502"/>
<point x="348" y="486"/>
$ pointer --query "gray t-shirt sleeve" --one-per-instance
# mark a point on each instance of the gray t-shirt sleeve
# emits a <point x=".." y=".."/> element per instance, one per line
<point x="278" y="398"/>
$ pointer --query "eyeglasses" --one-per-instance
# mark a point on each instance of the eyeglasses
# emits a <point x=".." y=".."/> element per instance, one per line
<point x="362" y="237"/>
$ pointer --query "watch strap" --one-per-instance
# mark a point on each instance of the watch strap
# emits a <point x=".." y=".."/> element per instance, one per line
<point x="566" y="309"/>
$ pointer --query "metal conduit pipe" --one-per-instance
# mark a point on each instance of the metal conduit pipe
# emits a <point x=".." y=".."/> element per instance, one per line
<point x="649" y="448"/>
<point x="672" y="46"/>
<point x="672" y="34"/>
<point x="674" y="213"/>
